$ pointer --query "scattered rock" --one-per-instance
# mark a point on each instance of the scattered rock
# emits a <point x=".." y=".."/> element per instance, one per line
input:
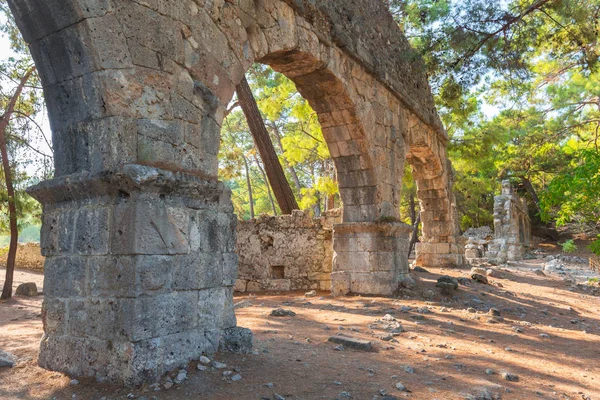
<point x="218" y="365"/>
<point x="479" y="278"/>
<point x="408" y="369"/>
<point x="242" y="304"/>
<point x="236" y="377"/>
<point x="464" y="281"/>
<point x="428" y="294"/>
<point x="204" y="360"/>
<point x="539" y="272"/>
<point x="74" y="382"/>
<point x="352" y="342"/>
<point x="477" y="270"/>
<point x="408" y="282"/>
<point x="544" y="335"/>
<point x="489" y="371"/>
<point x="181" y="376"/>
<point x="388" y="317"/>
<point x="312" y="293"/>
<point x="492" y="273"/>
<point x="278" y="397"/>
<point x="344" y="395"/>
<point x="507" y="376"/>
<point x="448" y="279"/>
<point x="471" y="310"/>
<point x="494" y="312"/>
<point x="7" y="359"/>
<point x="401" y="387"/>
<point x="280" y="312"/>
<point x="28" y="289"/>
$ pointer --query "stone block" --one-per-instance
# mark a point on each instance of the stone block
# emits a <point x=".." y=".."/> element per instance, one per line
<point x="236" y="340"/>
<point x="374" y="283"/>
<point x="66" y="276"/>
<point x="210" y="308"/>
<point x="155" y="273"/>
<point x="92" y="231"/>
<point x="95" y="317"/>
<point x="113" y="276"/>
<point x="198" y="271"/>
<point x="340" y="283"/>
<point x="279" y="285"/>
<point x="144" y="227"/>
<point x="54" y="314"/>
<point x="148" y="317"/>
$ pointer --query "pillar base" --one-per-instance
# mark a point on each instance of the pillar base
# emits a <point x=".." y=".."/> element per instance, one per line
<point x="369" y="258"/>
<point x="439" y="255"/>
<point x="139" y="273"/>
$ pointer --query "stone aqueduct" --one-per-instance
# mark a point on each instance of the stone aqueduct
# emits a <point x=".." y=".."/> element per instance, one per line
<point x="139" y="234"/>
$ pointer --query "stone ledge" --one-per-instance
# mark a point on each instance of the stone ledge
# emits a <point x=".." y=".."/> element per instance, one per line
<point x="385" y="228"/>
<point x="130" y="178"/>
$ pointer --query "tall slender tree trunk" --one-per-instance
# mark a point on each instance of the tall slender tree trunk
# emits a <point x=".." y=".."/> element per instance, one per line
<point x="262" y="171"/>
<point x="415" y="234"/>
<point x="276" y="176"/>
<point x="290" y="169"/>
<point x="250" y="196"/>
<point x="12" y="209"/>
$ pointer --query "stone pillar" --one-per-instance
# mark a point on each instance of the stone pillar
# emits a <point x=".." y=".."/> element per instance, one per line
<point x="369" y="258"/>
<point x="512" y="226"/>
<point x="441" y="244"/>
<point x="139" y="273"/>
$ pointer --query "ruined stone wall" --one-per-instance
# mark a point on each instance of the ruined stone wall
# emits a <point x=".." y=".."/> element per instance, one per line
<point x="28" y="256"/>
<point x="512" y="226"/>
<point x="289" y="252"/>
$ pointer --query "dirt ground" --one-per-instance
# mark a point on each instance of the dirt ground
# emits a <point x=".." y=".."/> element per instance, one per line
<point x="448" y="346"/>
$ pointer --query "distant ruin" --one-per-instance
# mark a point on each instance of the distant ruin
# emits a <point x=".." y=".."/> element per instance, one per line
<point x="512" y="231"/>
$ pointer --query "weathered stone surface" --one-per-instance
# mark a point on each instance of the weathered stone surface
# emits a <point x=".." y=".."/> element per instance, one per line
<point x="288" y="252"/>
<point x="7" y="359"/>
<point x="351" y="342"/>
<point x="512" y="227"/>
<point x="27" y="289"/>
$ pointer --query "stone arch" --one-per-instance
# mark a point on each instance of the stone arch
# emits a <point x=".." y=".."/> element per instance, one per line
<point x="138" y="233"/>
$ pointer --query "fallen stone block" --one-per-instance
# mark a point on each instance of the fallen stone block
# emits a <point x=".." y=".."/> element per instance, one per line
<point x="351" y="342"/>
<point x="28" y="289"/>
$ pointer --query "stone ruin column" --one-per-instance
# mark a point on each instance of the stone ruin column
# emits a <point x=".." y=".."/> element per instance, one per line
<point x="369" y="257"/>
<point x="139" y="273"/>
<point x="371" y="245"/>
<point x="512" y="226"/>
<point x="137" y="232"/>
<point x="441" y="244"/>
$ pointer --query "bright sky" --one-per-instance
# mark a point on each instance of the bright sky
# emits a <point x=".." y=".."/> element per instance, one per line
<point x="42" y="119"/>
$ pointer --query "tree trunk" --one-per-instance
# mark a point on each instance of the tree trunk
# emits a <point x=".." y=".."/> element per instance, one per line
<point x="250" y="196"/>
<point x="12" y="209"/>
<point x="277" y="180"/>
<point x="262" y="171"/>
<point x="415" y="234"/>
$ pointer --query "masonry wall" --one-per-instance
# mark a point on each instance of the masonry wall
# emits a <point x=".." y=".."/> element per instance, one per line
<point x="28" y="256"/>
<point x="289" y="252"/>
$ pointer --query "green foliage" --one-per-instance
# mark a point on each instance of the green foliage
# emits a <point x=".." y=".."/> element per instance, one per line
<point x="568" y="246"/>
<point x="29" y="149"/>
<point x="574" y="196"/>
<point x="298" y="140"/>
<point x="595" y="246"/>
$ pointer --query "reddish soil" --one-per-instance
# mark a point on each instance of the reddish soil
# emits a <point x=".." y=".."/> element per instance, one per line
<point x="450" y="348"/>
